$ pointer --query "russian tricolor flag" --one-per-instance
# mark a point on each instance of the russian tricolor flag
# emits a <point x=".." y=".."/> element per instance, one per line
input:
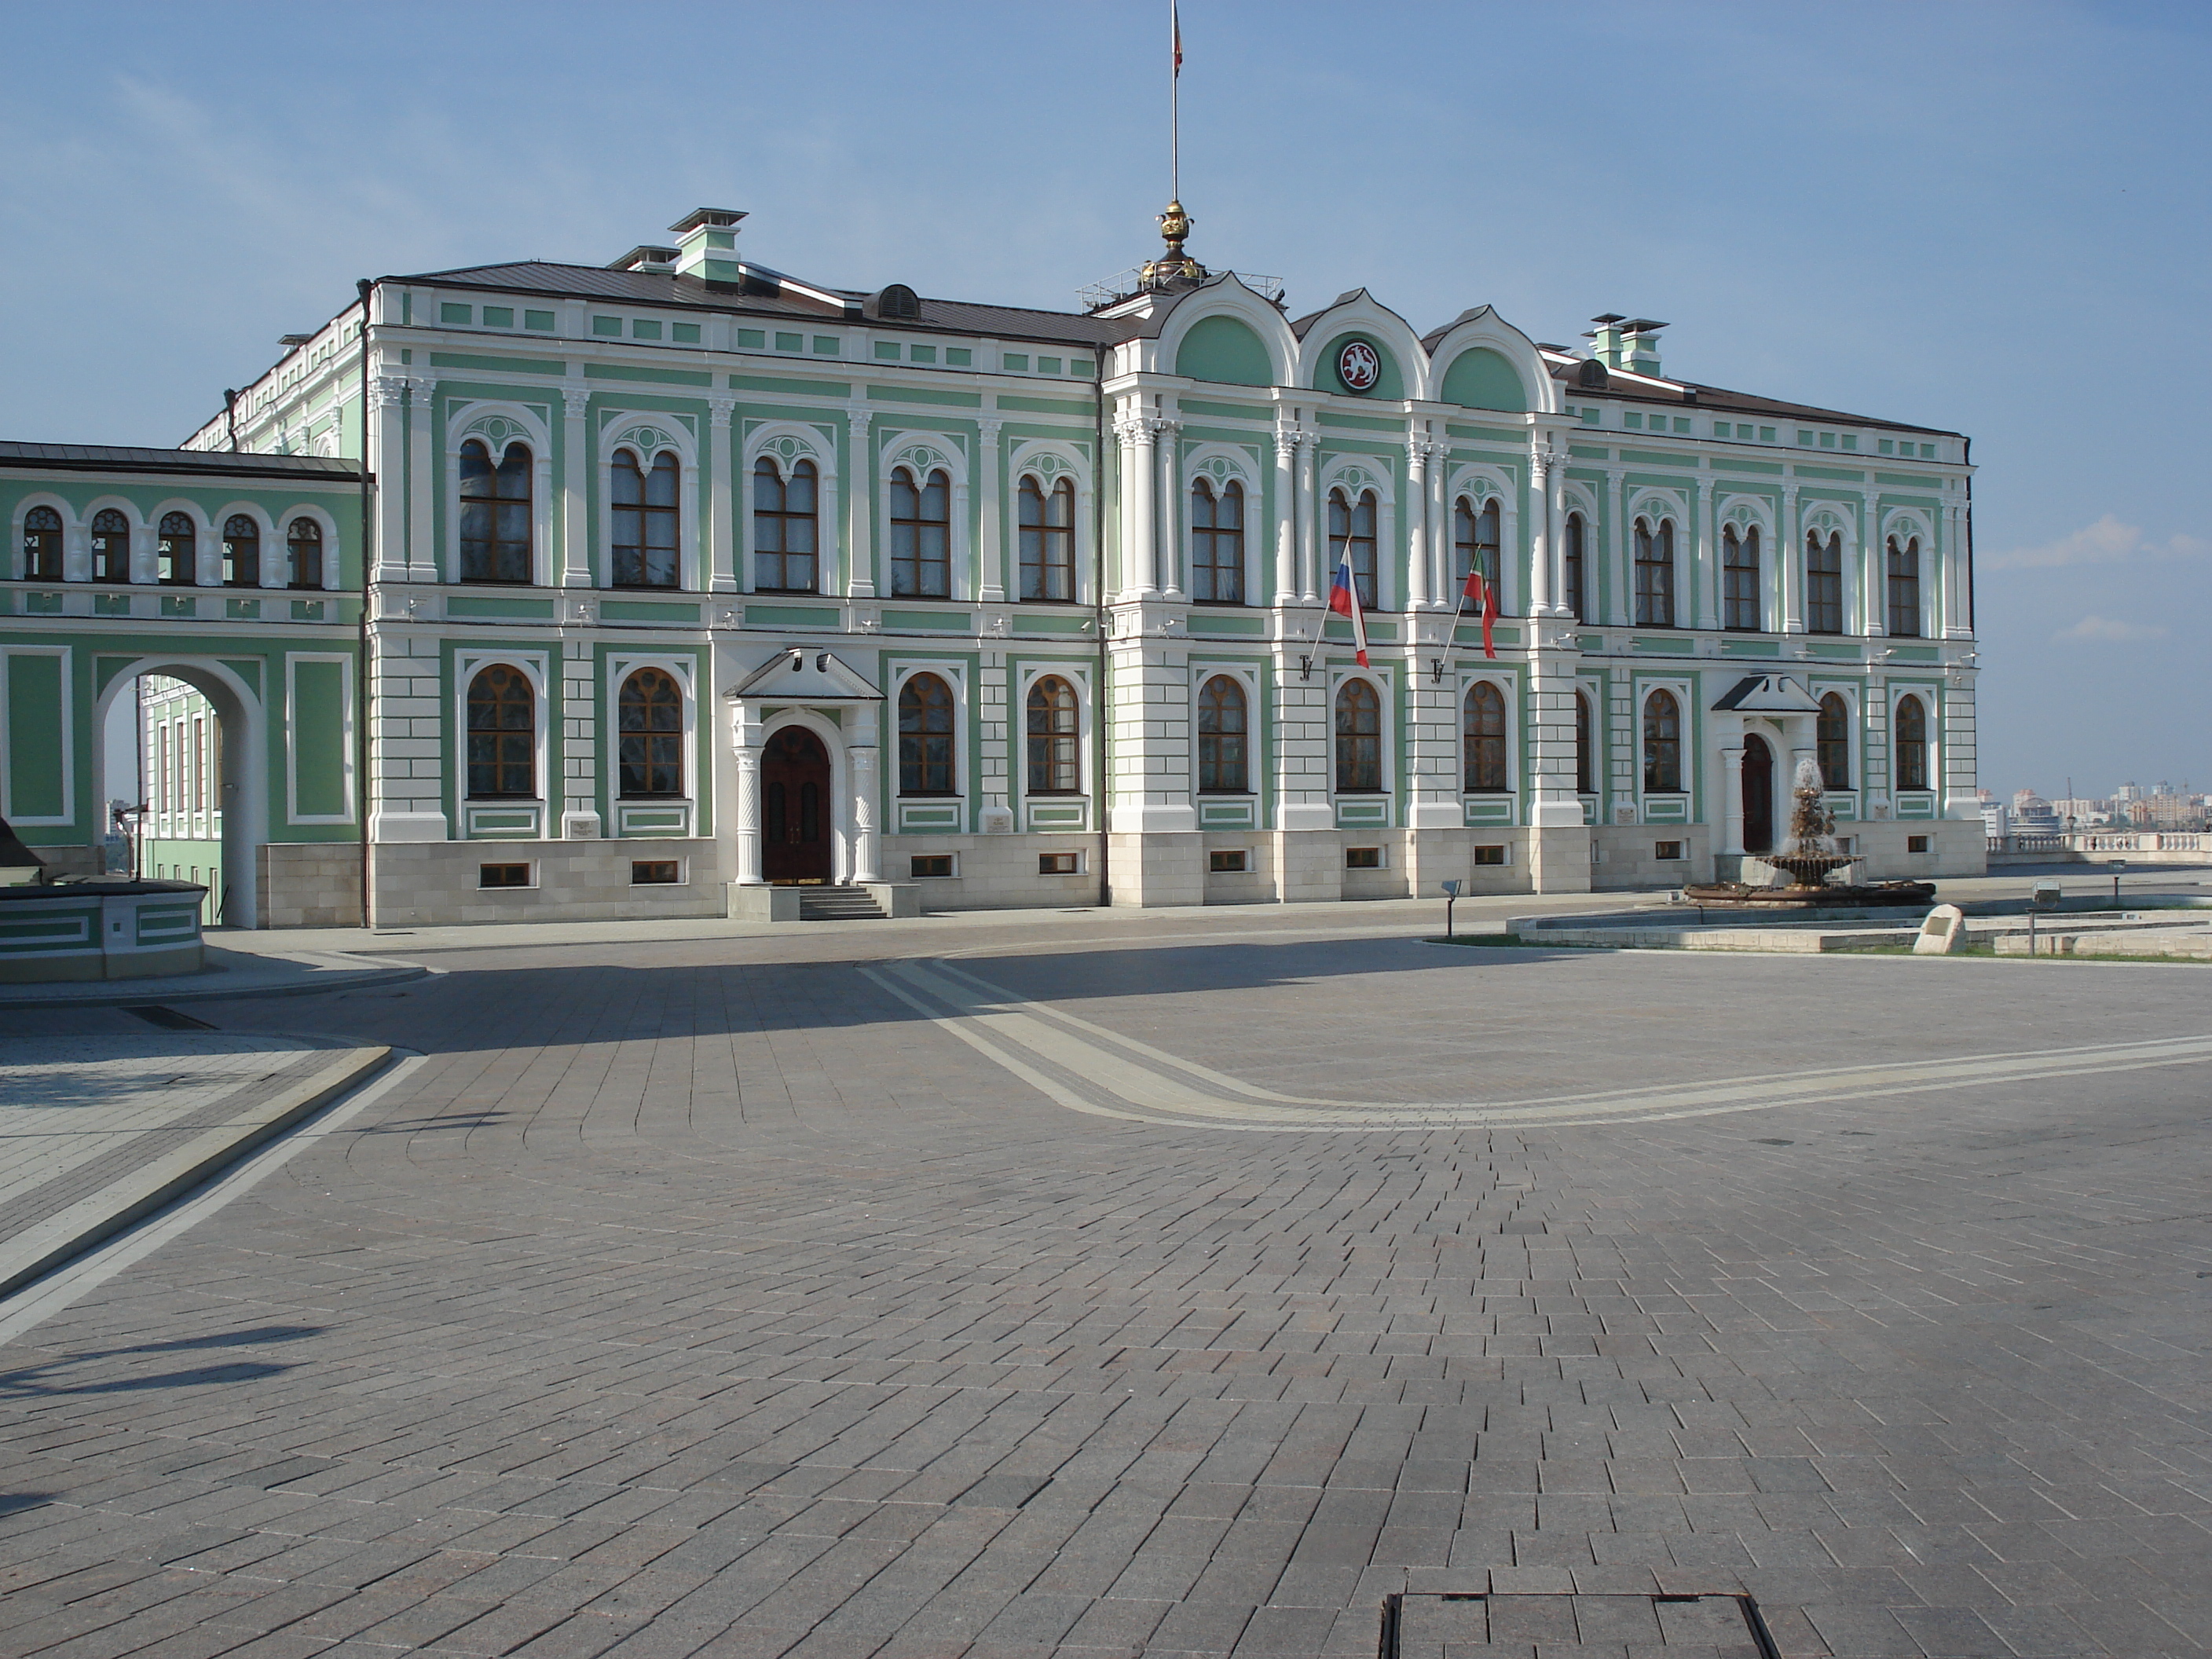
<point x="1343" y="599"/>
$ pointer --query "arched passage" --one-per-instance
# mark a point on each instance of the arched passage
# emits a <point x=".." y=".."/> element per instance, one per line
<point x="229" y="802"/>
<point x="1758" y="794"/>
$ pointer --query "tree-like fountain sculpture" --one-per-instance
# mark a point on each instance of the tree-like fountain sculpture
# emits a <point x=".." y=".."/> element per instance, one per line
<point x="1809" y="862"/>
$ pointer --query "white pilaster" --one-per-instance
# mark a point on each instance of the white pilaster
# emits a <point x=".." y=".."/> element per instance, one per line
<point x="1616" y="552"/>
<point x="861" y="758"/>
<point x="422" y="484"/>
<point x="749" y="813"/>
<point x="575" y="477"/>
<point x="1707" y="568"/>
<point x="1417" y="450"/>
<point x="719" y="556"/>
<point x="1286" y="520"/>
<point x="1169" y="530"/>
<point x="386" y="441"/>
<point x="860" y="508"/>
<point x="1791" y="557"/>
<point x="997" y="558"/>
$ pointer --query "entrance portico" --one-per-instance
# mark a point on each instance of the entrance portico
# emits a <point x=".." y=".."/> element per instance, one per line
<point x="804" y="728"/>
<point x="1763" y="725"/>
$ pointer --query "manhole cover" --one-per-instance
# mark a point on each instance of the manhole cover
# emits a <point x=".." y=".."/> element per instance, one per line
<point x="1442" y="1625"/>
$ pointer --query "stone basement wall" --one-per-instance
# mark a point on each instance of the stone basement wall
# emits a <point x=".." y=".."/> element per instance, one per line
<point x="309" y="884"/>
<point x="1625" y="861"/>
<point x="433" y="884"/>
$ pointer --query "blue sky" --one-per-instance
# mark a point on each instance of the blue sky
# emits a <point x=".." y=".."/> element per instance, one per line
<point x="1992" y="218"/>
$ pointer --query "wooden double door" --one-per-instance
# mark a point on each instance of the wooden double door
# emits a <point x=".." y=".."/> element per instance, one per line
<point x="1758" y="794"/>
<point x="795" y="843"/>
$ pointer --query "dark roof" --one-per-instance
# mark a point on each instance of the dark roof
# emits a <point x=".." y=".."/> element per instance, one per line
<point x="644" y="288"/>
<point x="1689" y="394"/>
<point x="220" y="463"/>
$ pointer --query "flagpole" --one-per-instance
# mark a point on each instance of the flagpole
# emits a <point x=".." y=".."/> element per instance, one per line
<point x="1175" y="100"/>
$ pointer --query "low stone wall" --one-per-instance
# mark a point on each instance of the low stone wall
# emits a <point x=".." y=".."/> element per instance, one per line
<point x="110" y="929"/>
<point x="309" y="884"/>
<point x="429" y="883"/>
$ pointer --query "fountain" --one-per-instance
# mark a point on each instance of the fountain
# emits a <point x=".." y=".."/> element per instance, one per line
<point x="1810" y="860"/>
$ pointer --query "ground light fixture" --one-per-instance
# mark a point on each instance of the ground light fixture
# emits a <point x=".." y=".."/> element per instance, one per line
<point x="1451" y="897"/>
<point x="2043" y="896"/>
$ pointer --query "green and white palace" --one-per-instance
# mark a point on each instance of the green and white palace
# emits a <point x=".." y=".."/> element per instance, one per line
<point x="682" y="586"/>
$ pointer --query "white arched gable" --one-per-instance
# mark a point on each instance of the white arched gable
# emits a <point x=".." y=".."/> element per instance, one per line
<point x="1746" y="512"/>
<point x="923" y="452"/>
<point x="321" y="517"/>
<point x="1360" y="313"/>
<point x="1354" y="472"/>
<point x="646" y="436"/>
<point x="1904" y="521"/>
<point x="1227" y="296"/>
<point x="1827" y="519"/>
<point x="1581" y="498"/>
<point x="1484" y="327"/>
<point x="128" y="508"/>
<point x="254" y="510"/>
<point x="788" y="442"/>
<point x="1654" y="504"/>
<point x="1048" y="462"/>
<point x="497" y="424"/>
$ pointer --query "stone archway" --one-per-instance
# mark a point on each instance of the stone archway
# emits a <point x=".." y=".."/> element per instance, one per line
<point x="797" y="845"/>
<point x="243" y="785"/>
<point x="1758" y="794"/>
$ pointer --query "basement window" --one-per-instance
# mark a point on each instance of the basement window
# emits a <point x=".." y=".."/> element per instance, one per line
<point x="1060" y="864"/>
<point x="1363" y="858"/>
<point x="1227" y="861"/>
<point x="929" y="867"/>
<point x="503" y="875"/>
<point x="1667" y="852"/>
<point x="1916" y="844"/>
<point x="656" y="872"/>
<point x="1489" y="855"/>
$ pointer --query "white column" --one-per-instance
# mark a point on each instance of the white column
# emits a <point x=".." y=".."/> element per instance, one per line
<point x="575" y="495"/>
<point x="1791" y="563"/>
<point x="1308" y="535"/>
<point x="1541" y="529"/>
<point x="749" y="814"/>
<point x="1144" y="517"/>
<point x="1170" y="509"/>
<point x="422" y="485"/>
<point x="1286" y="517"/>
<point x="1957" y="625"/>
<point x="966" y="565"/>
<point x="994" y="560"/>
<point x="1707" y="569"/>
<point x="1439" y="552"/>
<point x="1417" y="450"/>
<point x="862" y="759"/>
<point x="719" y="556"/>
<point x="859" y="510"/>
<point x="1872" y="595"/>
<point x="1732" y="796"/>
<point x="1617" y="612"/>
<point x="385" y="442"/>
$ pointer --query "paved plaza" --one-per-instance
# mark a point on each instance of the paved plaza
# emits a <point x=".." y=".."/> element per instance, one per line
<point x="1107" y="1283"/>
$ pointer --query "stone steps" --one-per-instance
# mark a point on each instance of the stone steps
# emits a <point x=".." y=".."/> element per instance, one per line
<point x="838" y="904"/>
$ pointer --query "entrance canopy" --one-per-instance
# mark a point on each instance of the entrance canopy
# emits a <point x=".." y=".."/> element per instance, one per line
<point x="1767" y="694"/>
<point x="813" y="677"/>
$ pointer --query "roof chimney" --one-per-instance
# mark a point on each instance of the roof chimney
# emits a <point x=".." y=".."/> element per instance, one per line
<point x="1605" y="340"/>
<point x="1641" y="340"/>
<point x="648" y="257"/>
<point x="707" y="245"/>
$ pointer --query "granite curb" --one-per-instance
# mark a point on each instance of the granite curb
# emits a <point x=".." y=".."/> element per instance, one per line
<point x="61" y="1237"/>
<point x="253" y="975"/>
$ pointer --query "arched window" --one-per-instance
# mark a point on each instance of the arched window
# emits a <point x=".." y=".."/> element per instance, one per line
<point x="1662" y="744"/>
<point x="1048" y="534"/>
<point x="1352" y="526"/>
<point x="1222" y="766"/>
<point x="649" y="719"/>
<point x="925" y="716"/>
<point x="1910" y="741"/>
<point x="1905" y="588"/>
<point x="1832" y="736"/>
<point x="1054" y="727"/>
<point x="1572" y="565"/>
<point x="1483" y="733"/>
<point x="1655" y="574"/>
<point x="42" y="545"/>
<point x="1475" y="543"/>
<point x="922" y="536"/>
<point x="644" y="520"/>
<point x="1583" y="784"/>
<point x="502" y="735"/>
<point x="241" y="552"/>
<point x="111" y="546"/>
<point x="494" y="514"/>
<point x="1216" y="542"/>
<point x="1359" y="739"/>
<point x="176" y="551"/>
<point x="1824" y="583"/>
<point x="1739" y="579"/>
<point x="303" y="554"/>
<point x="787" y="534"/>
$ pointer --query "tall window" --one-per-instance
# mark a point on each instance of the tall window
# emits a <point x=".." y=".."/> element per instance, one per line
<point x="1909" y="741"/>
<point x="1572" y="565"/>
<point x="1662" y="744"/>
<point x="1583" y="784"/>
<point x="111" y="546"/>
<point x="925" y="716"/>
<point x="1354" y="525"/>
<point x="649" y="722"/>
<point x="176" y="551"/>
<point x="241" y="552"/>
<point x="1216" y="542"/>
<point x="42" y="545"/>
<point x="1905" y="588"/>
<point x="1739" y="579"/>
<point x="644" y="520"/>
<point x="1056" y="766"/>
<point x="1654" y="574"/>
<point x="1475" y="543"/>
<point x="1484" y="738"/>
<point x="494" y="514"/>
<point x="1358" y="738"/>
<point x="922" y="536"/>
<point x="1824" y="583"/>
<point x="502" y="735"/>
<point x="785" y="531"/>
<point x="1047" y="532"/>
<point x="1222" y="766"/>
<point x="1832" y="734"/>
<point x="303" y="554"/>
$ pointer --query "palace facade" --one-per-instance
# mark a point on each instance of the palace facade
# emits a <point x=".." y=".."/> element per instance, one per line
<point x="668" y="586"/>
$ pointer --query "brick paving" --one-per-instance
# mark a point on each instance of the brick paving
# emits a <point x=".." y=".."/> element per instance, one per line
<point x="700" y="1298"/>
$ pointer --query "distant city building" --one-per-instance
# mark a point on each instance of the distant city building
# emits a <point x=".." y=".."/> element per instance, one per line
<point x="2031" y="814"/>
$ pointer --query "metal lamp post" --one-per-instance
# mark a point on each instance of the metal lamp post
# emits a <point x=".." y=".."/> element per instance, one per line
<point x="1451" y="897"/>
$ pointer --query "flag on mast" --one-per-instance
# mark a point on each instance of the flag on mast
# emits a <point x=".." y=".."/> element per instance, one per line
<point x="1175" y="18"/>
<point x="1486" y="600"/>
<point x="1343" y="599"/>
